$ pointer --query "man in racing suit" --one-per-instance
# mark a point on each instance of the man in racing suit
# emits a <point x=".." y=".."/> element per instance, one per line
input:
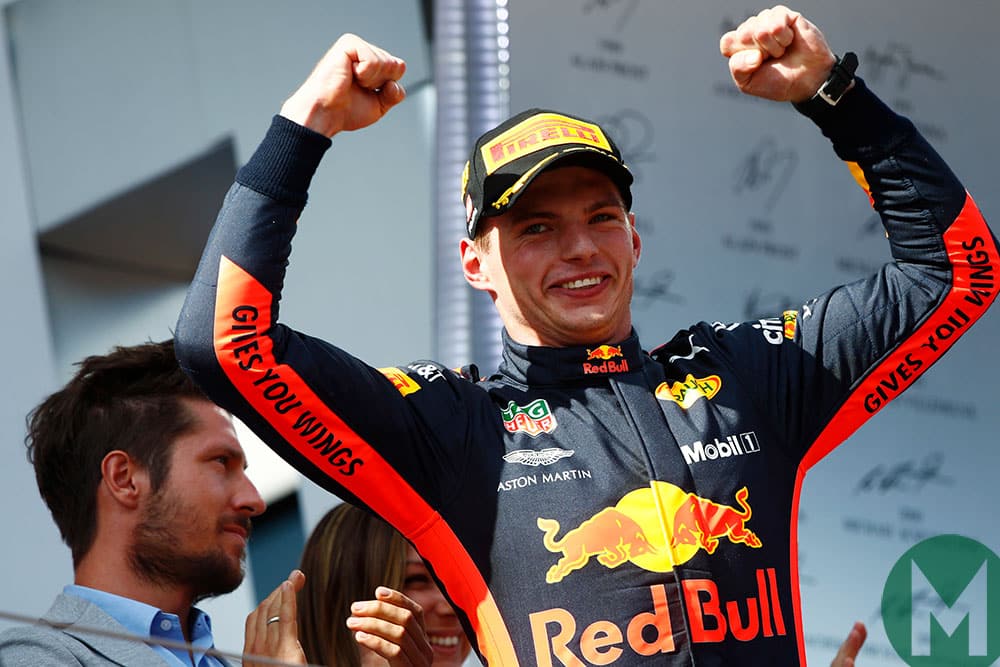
<point x="592" y="503"/>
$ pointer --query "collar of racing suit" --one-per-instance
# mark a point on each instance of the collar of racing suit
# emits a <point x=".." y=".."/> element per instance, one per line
<point x="542" y="366"/>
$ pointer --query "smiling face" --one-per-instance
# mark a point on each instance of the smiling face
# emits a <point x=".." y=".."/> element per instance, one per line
<point x="451" y="647"/>
<point x="193" y="532"/>
<point x="559" y="263"/>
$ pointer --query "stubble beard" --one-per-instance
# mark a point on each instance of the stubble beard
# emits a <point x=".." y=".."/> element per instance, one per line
<point x="157" y="554"/>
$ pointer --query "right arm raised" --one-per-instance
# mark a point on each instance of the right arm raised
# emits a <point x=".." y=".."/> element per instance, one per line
<point x="336" y="419"/>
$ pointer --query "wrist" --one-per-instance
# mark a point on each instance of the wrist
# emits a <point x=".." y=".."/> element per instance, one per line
<point x="839" y="80"/>
<point x="310" y="114"/>
<point x="285" y="161"/>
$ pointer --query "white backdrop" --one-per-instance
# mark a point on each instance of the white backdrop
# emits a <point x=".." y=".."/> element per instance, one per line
<point x="745" y="211"/>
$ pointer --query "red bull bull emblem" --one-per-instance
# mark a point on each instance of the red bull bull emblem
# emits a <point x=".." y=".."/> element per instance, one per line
<point x="789" y="321"/>
<point x="534" y="419"/>
<point x="632" y="531"/>
<point x="702" y="522"/>
<point x="655" y="528"/>
<point x="613" y="537"/>
<point x="604" y="352"/>
<point x="687" y="393"/>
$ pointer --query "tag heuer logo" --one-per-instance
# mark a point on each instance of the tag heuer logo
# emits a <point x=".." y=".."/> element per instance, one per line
<point x="533" y="419"/>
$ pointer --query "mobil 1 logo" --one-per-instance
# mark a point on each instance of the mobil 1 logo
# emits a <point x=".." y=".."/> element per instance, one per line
<point x="941" y="604"/>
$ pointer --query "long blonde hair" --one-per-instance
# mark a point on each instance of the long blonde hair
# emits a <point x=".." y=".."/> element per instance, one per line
<point x="349" y="553"/>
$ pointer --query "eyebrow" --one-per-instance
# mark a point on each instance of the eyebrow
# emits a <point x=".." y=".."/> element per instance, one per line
<point x="531" y="214"/>
<point x="605" y="203"/>
<point x="542" y="212"/>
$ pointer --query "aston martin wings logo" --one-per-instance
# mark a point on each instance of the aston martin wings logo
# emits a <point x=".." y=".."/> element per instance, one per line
<point x="542" y="457"/>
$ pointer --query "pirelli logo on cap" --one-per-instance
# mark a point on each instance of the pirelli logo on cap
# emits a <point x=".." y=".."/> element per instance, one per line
<point x="541" y="131"/>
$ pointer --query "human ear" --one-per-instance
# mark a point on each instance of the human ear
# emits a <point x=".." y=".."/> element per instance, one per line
<point x="473" y="265"/>
<point x="123" y="479"/>
<point x="636" y="241"/>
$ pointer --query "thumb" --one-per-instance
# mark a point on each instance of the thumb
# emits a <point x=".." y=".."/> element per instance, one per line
<point x="743" y="65"/>
<point x="391" y="94"/>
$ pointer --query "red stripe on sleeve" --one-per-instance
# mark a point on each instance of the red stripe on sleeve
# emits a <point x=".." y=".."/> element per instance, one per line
<point x="245" y="353"/>
<point x="975" y="258"/>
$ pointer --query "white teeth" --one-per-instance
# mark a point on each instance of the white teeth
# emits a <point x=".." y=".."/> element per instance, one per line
<point x="444" y="641"/>
<point x="585" y="282"/>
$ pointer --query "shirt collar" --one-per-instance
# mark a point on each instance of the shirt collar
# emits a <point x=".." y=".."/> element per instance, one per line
<point x="136" y="617"/>
<point x="144" y="620"/>
<point x="541" y="366"/>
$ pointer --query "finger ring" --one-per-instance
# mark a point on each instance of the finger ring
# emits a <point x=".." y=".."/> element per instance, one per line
<point x="273" y="619"/>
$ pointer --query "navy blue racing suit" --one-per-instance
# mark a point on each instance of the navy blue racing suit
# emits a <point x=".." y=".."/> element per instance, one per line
<point x="600" y="505"/>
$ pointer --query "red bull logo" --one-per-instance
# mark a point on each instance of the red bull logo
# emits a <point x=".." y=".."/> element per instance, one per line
<point x="711" y="619"/>
<point x="653" y="528"/>
<point x="606" y="355"/>
<point x="604" y="352"/>
<point x="702" y="522"/>
<point x="611" y="536"/>
<point x="687" y="393"/>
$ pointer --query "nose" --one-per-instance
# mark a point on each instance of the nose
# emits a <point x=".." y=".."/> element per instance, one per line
<point x="249" y="499"/>
<point x="577" y="242"/>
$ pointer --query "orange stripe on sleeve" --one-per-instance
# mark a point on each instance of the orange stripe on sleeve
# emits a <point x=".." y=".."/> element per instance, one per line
<point x="859" y="176"/>
<point x="276" y="391"/>
<point x="975" y="260"/>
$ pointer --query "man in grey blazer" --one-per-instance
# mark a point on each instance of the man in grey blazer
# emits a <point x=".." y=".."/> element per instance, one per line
<point x="146" y="480"/>
<point x="68" y="636"/>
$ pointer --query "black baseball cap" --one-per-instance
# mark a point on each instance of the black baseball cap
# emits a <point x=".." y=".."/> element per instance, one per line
<point x="506" y="159"/>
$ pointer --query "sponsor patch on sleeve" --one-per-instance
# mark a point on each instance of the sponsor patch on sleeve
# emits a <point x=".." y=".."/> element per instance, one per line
<point x="789" y="320"/>
<point x="403" y="382"/>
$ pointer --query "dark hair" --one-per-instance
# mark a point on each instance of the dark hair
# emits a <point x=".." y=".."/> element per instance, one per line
<point x="128" y="400"/>
<point x="349" y="553"/>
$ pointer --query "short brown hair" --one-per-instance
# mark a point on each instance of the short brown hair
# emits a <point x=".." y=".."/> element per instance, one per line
<point x="348" y="554"/>
<point x="128" y="400"/>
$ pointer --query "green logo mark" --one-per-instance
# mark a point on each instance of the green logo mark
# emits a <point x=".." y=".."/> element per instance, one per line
<point x="941" y="604"/>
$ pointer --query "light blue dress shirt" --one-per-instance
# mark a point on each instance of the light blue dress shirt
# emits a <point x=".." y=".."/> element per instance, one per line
<point x="148" y="621"/>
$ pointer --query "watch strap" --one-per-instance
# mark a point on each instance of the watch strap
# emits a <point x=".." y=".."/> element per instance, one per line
<point x="840" y="79"/>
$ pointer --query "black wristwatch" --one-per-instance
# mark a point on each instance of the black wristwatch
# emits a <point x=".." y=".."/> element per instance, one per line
<point x="840" y="79"/>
